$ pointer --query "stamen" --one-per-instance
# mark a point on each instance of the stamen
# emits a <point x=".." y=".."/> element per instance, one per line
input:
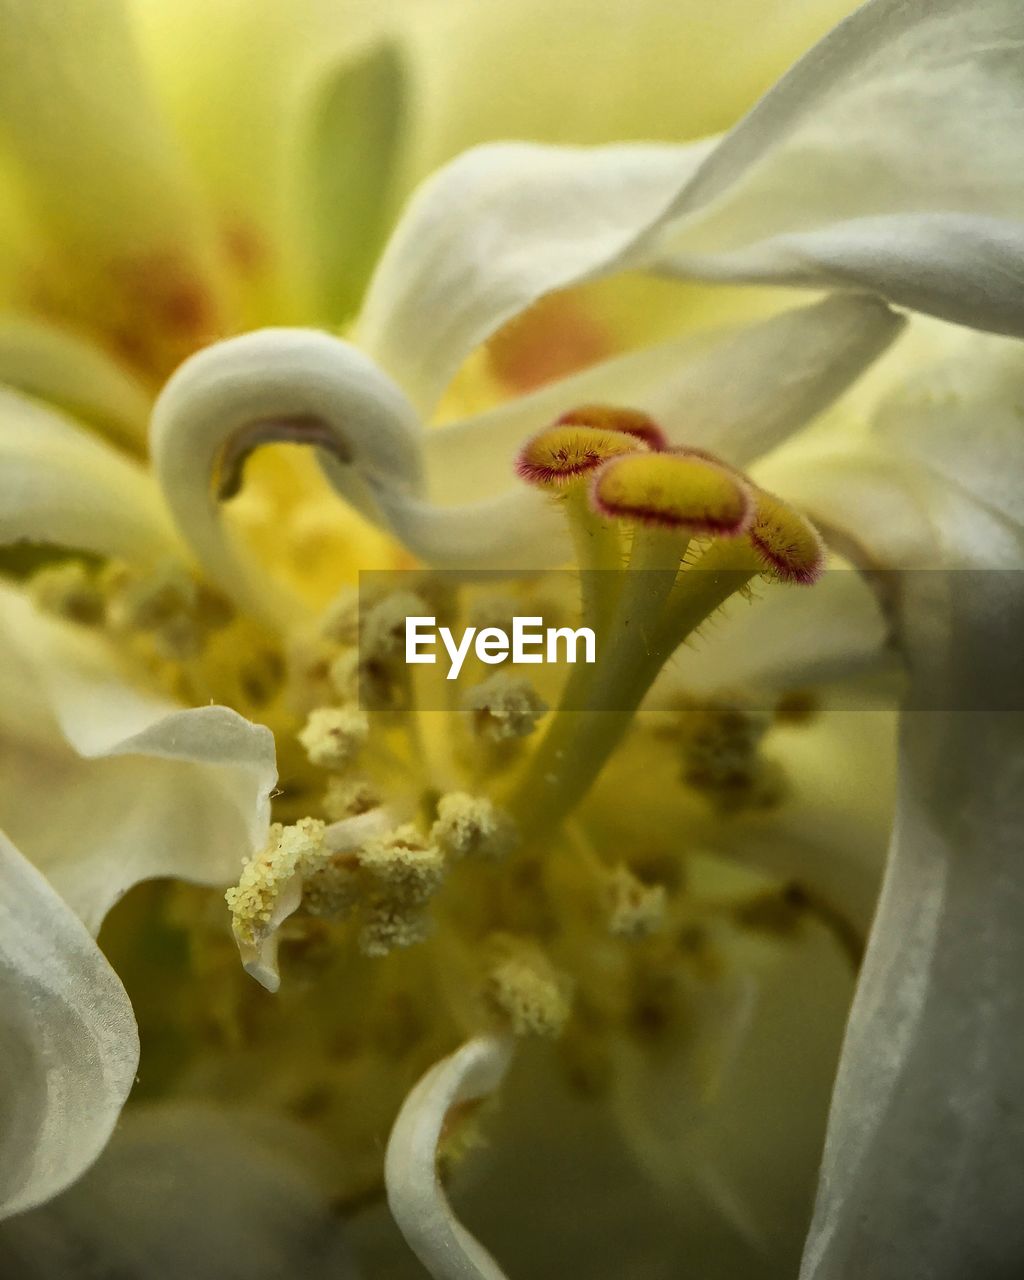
<point x="674" y="490"/>
<point x="349" y="797"/>
<point x="269" y="890"/>
<point x="562" y="455"/>
<point x="787" y="541"/>
<point x="632" y="422"/>
<point x="333" y="736"/>
<point x="526" y="991"/>
<point x="636" y="910"/>
<point x="503" y="708"/>
<point x="471" y="827"/>
<point x="405" y="871"/>
<point x="69" y="590"/>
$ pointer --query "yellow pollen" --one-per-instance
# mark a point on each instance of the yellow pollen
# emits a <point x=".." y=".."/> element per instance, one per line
<point x="675" y="490"/>
<point x="405" y="872"/>
<point x="69" y="590"/>
<point x="291" y="852"/>
<point x="561" y="455"/>
<point x="636" y="910"/>
<point x="786" y="541"/>
<point x="349" y="797"/>
<point x="470" y="826"/>
<point x="333" y="736"/>
<point x="504" y="707"/>
<point x="525" y="990"/>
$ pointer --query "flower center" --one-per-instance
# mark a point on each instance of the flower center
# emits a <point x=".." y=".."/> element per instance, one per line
<point x="437" y="873"/>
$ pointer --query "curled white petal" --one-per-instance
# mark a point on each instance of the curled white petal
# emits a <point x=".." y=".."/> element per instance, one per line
<point x="67" y="1037"/>
<point x="295" y="385"/>
<point x="415" y="1195"/>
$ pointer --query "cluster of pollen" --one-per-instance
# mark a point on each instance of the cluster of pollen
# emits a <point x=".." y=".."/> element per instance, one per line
<point x="166" y="610"/>
<point x="504" y="707"/>
<point x="333" y="736"/>
<point x="291" y="852"/>
<point x="635" y="909"/>
<point x="720" y="745"/>
<point x="404" y="871"/>
<point x="525" y="991"/>
<point x="472" y="827"/>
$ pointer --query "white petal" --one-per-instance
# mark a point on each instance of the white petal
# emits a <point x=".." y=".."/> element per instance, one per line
<point x="113" y="784"/>
<point x="923" y="1166"/>
<point x="739" y="393"/>
<point x="70" y="373"/>
<point x="277" y="384"/>
<point x="69" y="1041"/>
<point x="415" y="1195"/>
<point x="187" y="1190"/>
<point x="495" y="230"/>
<point x="282" y="383"/>
<point x="59" y="484"/>
<point x="887" y="160"/>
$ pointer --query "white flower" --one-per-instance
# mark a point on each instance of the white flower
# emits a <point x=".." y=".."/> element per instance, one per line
<point x="882" y="170"/>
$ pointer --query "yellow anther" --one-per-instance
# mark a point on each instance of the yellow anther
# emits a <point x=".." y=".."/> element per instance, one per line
<point x="632" y="422"/>
<point x="69" y="590"/>
<point x="721" y="744"/>
<point x="471" y="827"/>
<point x="562" y="455"/>
<point x="786" y="541"/>
<point x="504" y="707"/>
<point x="383" y="628"/>
<point x="349" y="797"/>
<point x="344" y="674"/>
<point x="674" y="490"/>
<point x="404" y="872"/>
<point x="525" y="990"/>
<point x="340" y="620"/>
<point x="270" y="885"/>
<point x="173" y="608"/>
<point x="636" y="910"/>
<point x="333" y="736"/>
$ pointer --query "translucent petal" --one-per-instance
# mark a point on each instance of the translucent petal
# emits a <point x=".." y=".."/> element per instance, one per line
<point x="70" y="373"/>
<point x="105" y="784"/>
<point x="186" y="1190"/>
<point x="292" y="119"/>
<point x="59" y="484"/>
<point x="69" y="1041"/>
<point x="495" y="230"/>
<point x="828" y="182"/>
<point x="737" y="392"/>
<point x="922" y="1171"/>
